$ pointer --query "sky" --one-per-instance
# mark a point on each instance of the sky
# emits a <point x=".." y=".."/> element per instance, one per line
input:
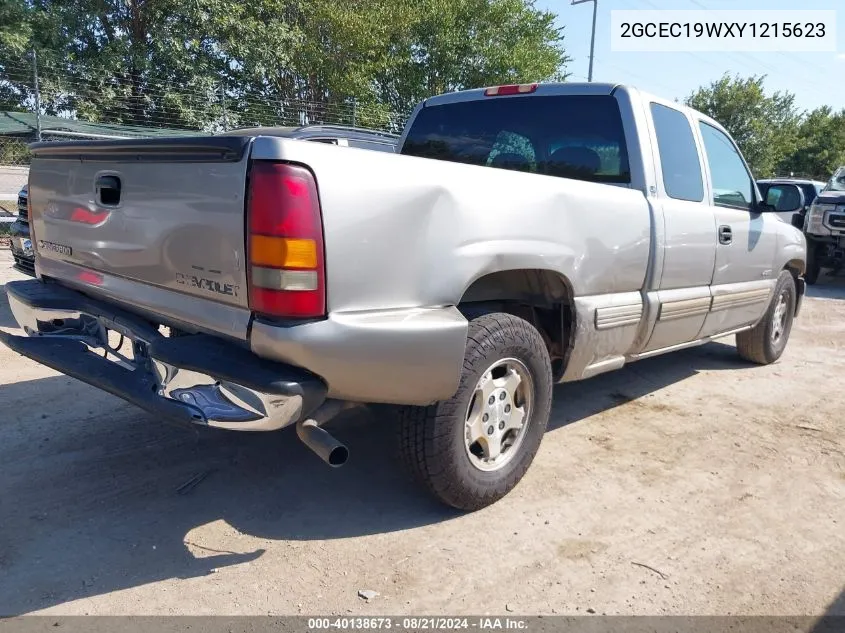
<point x="816" y="79"/>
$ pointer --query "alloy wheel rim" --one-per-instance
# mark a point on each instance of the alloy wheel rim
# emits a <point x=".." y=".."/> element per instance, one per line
<point x="498" y="414"/>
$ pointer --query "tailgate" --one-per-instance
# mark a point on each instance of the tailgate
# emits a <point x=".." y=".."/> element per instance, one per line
<point x="161" y="220"/>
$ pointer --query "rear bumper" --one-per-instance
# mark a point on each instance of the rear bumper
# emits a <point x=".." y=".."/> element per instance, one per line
<point x="195" y="379"/>
<point x="399" y="356"/>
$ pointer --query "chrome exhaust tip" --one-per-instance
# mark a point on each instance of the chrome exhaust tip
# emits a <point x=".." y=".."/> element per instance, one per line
<point x="323" y="443"/>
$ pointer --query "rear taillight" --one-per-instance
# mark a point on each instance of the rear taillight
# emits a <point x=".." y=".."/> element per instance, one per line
<point x="287" y="274"/>
<point x="85" y="216"/>
<point x="514" y="89"/>
<point x="90" y="277"/>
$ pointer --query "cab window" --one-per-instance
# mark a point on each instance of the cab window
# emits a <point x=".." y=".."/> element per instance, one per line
<point x="678" y="154"/>
<point x="567" y="136"/>
<point x="732" y="184"/>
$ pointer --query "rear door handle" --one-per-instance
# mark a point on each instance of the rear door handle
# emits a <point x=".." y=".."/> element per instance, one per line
<point x="725" y="234"/>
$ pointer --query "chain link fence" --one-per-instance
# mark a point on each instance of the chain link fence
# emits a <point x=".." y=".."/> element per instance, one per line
<point x="42" y="104"/>
<point x="14" y="167"/>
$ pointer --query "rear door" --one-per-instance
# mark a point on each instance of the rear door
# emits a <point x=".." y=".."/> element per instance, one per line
<point x="688" y="230"/>
<point x="747" y="239"/>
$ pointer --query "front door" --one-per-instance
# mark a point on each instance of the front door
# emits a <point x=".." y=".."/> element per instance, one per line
<point x="743" y="276"/>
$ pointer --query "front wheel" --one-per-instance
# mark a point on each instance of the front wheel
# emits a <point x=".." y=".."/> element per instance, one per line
<point x="765" y="342"/>
<point x="471" y="450"/>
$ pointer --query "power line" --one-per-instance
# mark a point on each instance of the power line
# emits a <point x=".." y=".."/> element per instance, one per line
<point x="755" y="60"/>
<point x="122" y="100"/>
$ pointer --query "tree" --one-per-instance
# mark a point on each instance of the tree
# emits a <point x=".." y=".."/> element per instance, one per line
<point x="446" y="45"/>
<point x="15" y="34"/>
<point x="764" y="127"/>
<point x="821" y="145"/>
<point x="175" y="62"/>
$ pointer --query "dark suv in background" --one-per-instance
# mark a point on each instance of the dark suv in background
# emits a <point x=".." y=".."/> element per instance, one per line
<point x="20" y="242"/>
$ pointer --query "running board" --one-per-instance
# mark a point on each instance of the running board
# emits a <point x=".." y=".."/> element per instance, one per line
<point x="696" y="343"/>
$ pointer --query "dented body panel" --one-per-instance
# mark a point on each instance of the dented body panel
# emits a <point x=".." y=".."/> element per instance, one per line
<point x="423" y="230"/>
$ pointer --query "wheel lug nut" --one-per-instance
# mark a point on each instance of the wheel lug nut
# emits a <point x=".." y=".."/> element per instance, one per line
<point x="502" y="395"/>
<point x="490" y="430"/>
<point x="501" y="426"/>
<point x="485" y="417"/>
<point x="507" y="408"/>
<point x="491" y="400"/>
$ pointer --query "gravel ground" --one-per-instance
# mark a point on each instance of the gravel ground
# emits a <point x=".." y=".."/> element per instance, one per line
<point x="687" y="484"/>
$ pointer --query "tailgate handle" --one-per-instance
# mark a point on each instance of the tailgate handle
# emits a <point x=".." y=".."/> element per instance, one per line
<point x="108" y="191"/>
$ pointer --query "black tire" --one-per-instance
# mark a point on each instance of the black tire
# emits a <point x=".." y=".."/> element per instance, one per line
<point x="758" y="344"/>
<point x="432" y="443"/>
<point x="811" y="275"/>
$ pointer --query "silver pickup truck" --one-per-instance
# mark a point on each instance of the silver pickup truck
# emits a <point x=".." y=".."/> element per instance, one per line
<point x="526" y="235"/>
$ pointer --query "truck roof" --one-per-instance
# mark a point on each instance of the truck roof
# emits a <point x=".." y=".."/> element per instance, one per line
<point x="790" y="180"/>
<point x="312" y="131"/>
<point x="567" y="88"/>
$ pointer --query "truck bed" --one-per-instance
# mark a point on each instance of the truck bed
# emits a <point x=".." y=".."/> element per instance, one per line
<point x="400" y="232"/>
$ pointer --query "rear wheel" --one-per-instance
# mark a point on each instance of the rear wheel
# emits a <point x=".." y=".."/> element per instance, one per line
<point x="765" y="342"/>
<point x="471" y="450"/>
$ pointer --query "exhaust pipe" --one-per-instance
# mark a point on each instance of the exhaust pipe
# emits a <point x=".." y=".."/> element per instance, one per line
<point x="323" y="443"/>
<point x="327" y="448"/>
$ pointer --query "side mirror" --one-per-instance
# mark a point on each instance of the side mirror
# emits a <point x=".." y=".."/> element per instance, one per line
<point x="785" y="198"/>
<point x="764" y="207"/>
<point x="798" y="221"/>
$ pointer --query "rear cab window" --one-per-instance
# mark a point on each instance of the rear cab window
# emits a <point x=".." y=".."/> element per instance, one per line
<point x="567" y="136"/>
<point x="679" y="161"/>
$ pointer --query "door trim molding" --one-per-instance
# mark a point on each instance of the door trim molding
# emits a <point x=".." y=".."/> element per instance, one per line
<point x="617" y="316"/>
<point x="682" y="308"/>
<point x="736" y="298"/>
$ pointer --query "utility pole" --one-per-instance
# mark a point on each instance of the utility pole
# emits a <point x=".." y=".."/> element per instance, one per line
<point x="37" y="96"/>
<point x="593" y="36"/>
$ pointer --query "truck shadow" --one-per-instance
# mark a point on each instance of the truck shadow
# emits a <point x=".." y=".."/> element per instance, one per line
<point x="6" y="318"/>
<point x="96" y="497"/>
<point x="580" y="400"/>
<point x="833" y="619"/>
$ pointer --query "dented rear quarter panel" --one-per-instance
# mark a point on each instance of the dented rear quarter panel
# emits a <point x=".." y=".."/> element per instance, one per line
<point x="404" y="232"/>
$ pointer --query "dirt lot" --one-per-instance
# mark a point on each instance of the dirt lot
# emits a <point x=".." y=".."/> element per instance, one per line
<point x="727" y="480"/>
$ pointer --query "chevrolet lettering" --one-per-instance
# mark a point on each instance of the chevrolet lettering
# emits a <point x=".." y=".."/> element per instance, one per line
<point x="210" y="285"/>
<point x="59" y="249"/>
